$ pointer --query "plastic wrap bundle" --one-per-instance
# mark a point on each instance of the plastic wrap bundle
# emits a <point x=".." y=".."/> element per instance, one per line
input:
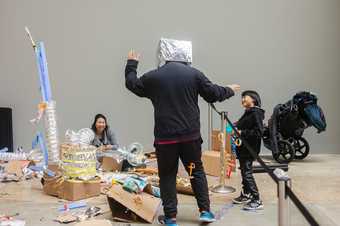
<point x="78" y="156"/>
<point x="78" y="161"/>
<point x="133" y="154"/>
<point x="83" y="136"/>
<point x="52" y="133"/>
<point x="175" y="50"/>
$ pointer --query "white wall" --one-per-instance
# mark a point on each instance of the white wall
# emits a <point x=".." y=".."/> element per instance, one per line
<point x="276" y="47"/>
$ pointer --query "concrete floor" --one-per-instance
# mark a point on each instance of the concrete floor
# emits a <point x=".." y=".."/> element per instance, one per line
<point x="316" y="181"/>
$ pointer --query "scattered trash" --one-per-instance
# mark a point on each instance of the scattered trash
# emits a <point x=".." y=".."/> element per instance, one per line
<point x="5" y="149"/>
<point x="89" y="213"/>
<point x="7" y="156"/>
<point x="12" y="223"/>
<point x="5" y="177"/>
<point x="147" y="171"/>
<point x="183" y="186"/>
<point x="3" y="194"/>
<point x="111" y="178"/>
<point x="135" y="184"/>
<point x="94" y="223"/>
<point x="133" y="154"/>
<point x="72" y="205"/>
<point x="156" y="191"/>
<point x="69" y="216"/>
<point x="20" y="154"/>
<point x="132" y="207"/>
<point x="66" y="218"/>
<point x="9" y="220"/>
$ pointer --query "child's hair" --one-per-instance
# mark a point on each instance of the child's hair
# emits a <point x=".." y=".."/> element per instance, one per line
<point x="254" y="95"/>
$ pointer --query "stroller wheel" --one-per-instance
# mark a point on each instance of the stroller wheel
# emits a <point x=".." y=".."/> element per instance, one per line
<point x="286" y="152"/>
<point x="301" y="147"/>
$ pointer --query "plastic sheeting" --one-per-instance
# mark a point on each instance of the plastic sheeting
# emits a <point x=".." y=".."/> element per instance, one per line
<point x="83" y="136"/>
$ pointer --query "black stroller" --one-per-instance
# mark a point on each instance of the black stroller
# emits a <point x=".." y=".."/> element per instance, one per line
<point x="283" y="134"/>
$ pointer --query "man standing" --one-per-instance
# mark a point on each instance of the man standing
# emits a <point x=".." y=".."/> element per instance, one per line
<point x="173" y="90"/>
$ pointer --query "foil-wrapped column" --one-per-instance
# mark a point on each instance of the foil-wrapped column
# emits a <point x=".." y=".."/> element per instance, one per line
<point x="51" y="132"/>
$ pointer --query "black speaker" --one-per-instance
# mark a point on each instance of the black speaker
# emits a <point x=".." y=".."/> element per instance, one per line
<point x="6" y="131"/>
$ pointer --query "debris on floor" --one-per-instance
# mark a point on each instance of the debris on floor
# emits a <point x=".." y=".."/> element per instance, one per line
<point x="131" y="206"/>
<point x="133" y="195"/>
<point x="78" y="215"/>
<point x="10" y="220"/>
<point x="94" y="223"/>
<point x="72" y="205"/>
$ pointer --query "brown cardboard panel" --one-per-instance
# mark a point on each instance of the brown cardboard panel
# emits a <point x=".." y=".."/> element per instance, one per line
<point x="144" y="205"/>
<point x="76" y="190"/>
<point x="111" y="164"/>
<point x="211" y="162"/>
<point x="71" y="190"/>
<point x="16" y="166"/>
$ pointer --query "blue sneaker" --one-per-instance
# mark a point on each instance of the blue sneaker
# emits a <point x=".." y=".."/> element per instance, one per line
<point x="167" y="221"/>
<point x="207" y="217"/>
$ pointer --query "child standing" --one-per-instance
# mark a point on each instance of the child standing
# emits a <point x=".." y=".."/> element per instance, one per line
<point x="250" y="126"/>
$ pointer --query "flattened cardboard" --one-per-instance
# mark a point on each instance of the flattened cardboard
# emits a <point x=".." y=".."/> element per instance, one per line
<point x="143" y="205"/>
<point x="16" y="167"/>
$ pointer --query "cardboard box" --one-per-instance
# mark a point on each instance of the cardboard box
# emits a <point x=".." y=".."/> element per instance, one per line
<point x="53" y="185"/>
<point x="71" y="190"/>
<point x="111" y="164"/>
<point x="76" y="190"/>
<point x="54" y="167"/>
<point x="132" y="207"/>
<point x="211" y="163"/>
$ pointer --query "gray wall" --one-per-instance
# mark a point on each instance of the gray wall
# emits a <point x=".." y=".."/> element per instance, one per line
<point x="276" y="47"/>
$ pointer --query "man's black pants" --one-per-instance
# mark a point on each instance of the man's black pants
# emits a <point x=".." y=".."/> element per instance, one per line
<point x="167" y="159"/>
<point x="248" y="180"/>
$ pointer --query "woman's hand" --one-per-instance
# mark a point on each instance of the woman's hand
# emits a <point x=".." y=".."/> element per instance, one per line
<point x="101" y="148"/>
<point x="108" y="147"/>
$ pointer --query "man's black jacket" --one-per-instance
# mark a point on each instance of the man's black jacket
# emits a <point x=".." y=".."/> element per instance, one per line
<point x="173" y="90"/>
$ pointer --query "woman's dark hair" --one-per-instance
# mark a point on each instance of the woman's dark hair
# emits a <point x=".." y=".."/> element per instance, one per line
<point x="98" y="116"/>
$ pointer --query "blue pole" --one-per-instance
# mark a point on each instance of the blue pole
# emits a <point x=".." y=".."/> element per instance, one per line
<point x="45" y="86"/>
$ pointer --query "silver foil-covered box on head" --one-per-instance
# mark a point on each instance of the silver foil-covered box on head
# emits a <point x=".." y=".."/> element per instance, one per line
<point x="175" y="50"/>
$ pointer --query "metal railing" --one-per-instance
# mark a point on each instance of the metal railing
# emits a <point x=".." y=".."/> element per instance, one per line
<point x="285" y="193"/>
